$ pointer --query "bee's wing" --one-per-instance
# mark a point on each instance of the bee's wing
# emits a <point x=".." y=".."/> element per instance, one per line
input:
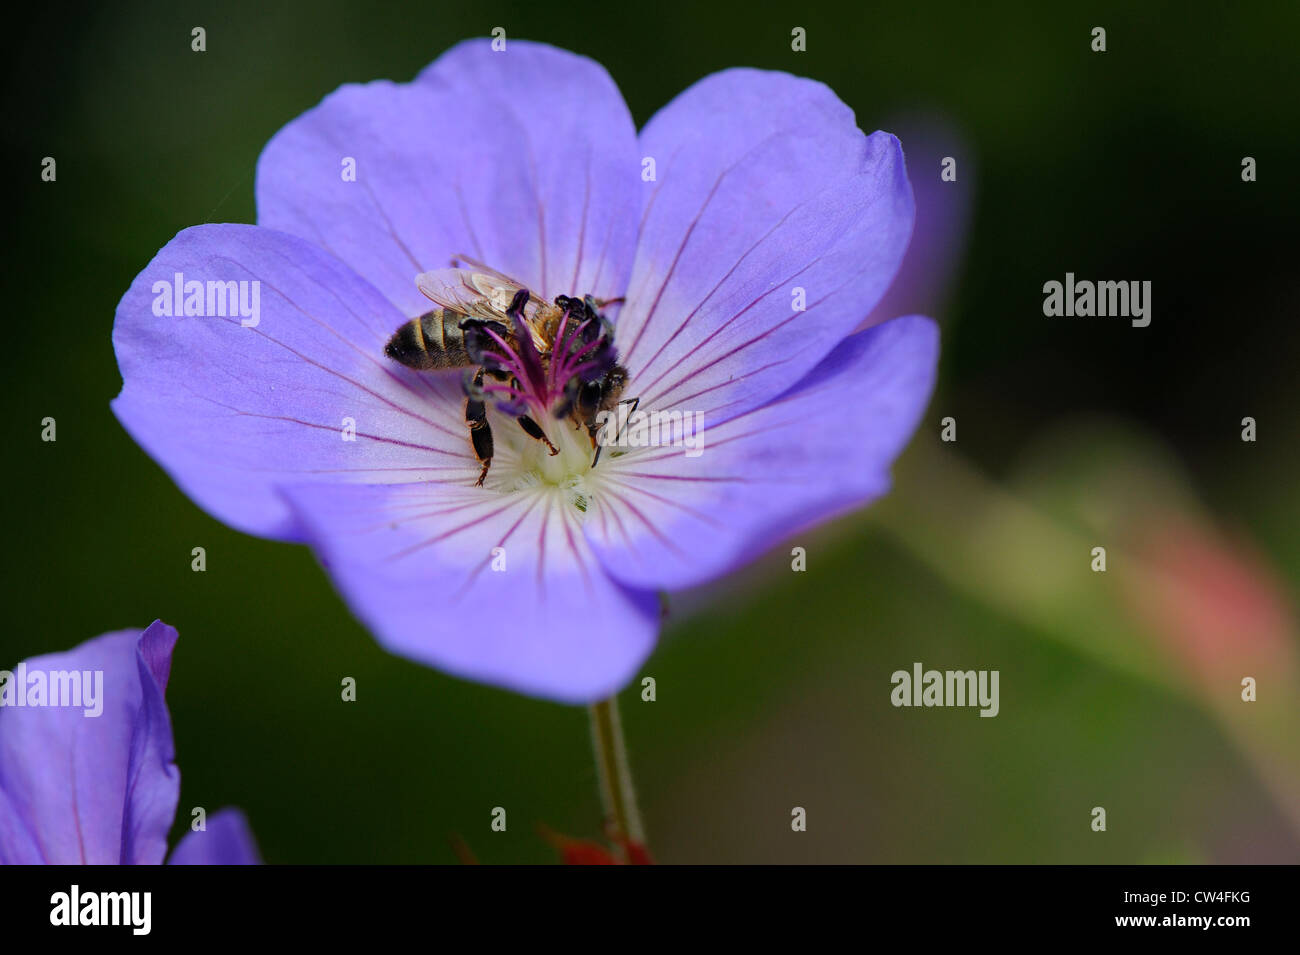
<point x="486" y="295"/>
<point x="476" y="266"/>
<point x="468" y="293"/>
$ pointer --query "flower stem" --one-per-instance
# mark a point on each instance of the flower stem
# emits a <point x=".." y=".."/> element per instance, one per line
<point x="616" y="792"/>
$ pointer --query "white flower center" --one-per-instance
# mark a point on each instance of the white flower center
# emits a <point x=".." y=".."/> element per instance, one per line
<point x="524" y="463"/>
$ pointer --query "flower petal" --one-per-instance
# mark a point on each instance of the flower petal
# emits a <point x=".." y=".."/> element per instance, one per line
<point x="93" y="789"/>
<point x="663" y="519"/>
<point x="766" y="192"/>
<point x="18" y="843"/>
<point x="942" y="218"/>
<point x="524" y="159"/>
<point x="498" y="588"/>
<point x="228" y="840"/>
<point x="230" y="411"/>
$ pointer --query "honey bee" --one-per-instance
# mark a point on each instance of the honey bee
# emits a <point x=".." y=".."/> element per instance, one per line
<point x="516" y="350"/>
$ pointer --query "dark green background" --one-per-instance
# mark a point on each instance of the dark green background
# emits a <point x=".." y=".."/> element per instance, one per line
<point x="1123" y="165"/>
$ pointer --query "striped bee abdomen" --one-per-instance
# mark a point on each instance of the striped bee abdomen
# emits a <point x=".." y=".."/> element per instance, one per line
<point x="432" y="341"/>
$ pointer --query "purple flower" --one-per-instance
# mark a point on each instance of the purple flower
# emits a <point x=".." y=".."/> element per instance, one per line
<point x="748" y="230"/>
<point x="87" y="765"/>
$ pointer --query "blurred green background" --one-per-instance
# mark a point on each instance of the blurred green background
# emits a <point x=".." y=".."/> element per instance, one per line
<point x="773" y="688"/>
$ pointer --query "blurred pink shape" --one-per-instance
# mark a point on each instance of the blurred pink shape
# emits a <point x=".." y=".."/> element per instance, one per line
<point x="1215" y="604"/>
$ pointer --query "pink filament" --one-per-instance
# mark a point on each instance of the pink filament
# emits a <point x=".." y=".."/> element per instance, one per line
<point x="541" y="394"/>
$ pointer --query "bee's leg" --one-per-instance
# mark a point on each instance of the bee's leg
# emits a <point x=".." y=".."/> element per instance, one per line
<point x="480" y="432"/>
<point x="517" y="303"/>
<point x="599" y="447"/>
<point x="532" y="429"/>
<point x="480" y="436"/>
